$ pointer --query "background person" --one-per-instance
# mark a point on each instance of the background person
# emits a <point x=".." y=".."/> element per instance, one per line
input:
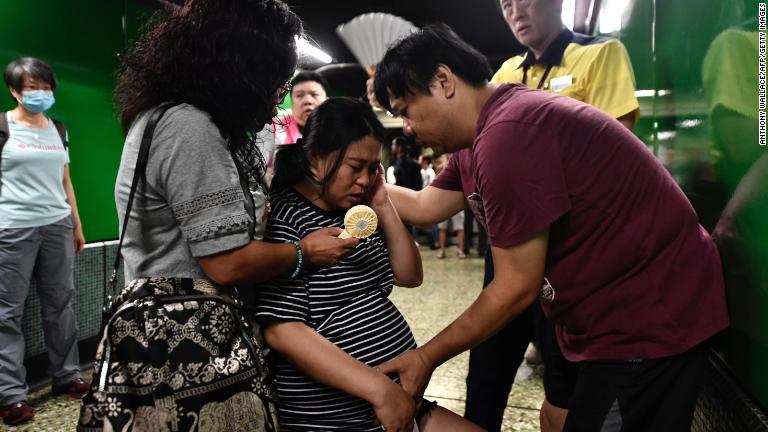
<point x="308" y="89"/>
<point x="427" y="175"/>
<point x="40" y="234"/>
<point x="456" y="224"/>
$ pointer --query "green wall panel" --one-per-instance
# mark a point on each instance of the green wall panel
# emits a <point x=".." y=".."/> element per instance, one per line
<point x="696" y="63"/>
<point x="81" y="41"/>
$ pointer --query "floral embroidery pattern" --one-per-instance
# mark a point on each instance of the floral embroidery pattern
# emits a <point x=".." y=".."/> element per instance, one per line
<point x="178" y="365"/>
<point x="215" y="228"/>
<point x="207" y="201"/>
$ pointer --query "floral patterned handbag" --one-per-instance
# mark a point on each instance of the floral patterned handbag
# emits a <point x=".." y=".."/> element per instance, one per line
<point x="177" y="354"/>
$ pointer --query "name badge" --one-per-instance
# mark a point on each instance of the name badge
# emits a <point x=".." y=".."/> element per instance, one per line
<point x="560" y="83"/>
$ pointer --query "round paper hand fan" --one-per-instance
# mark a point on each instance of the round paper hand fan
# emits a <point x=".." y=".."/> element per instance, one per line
<point x="359" y="222"/>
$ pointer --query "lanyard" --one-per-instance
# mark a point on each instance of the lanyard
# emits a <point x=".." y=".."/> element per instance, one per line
<point x="543" y="77"/>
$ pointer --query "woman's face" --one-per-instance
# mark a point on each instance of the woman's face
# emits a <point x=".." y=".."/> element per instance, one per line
<point x="29" y="83"/>
<point x="355" y="175"/>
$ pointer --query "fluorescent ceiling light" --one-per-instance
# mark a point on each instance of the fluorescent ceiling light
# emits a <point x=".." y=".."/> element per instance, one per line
<point x="569" y="13"/>
<point x="304" y="48"/>
<point x="651" y="93"/>
<point x="611" y="16"/>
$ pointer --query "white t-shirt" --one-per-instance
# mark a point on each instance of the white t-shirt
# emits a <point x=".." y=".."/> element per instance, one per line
<point x="427" y="175"/>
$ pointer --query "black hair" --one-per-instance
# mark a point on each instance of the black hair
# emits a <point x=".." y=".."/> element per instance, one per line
<point x="410" y="64"/>
<point x="305" y="76"/>
<point x="229" y="58"/>
<point x="427" y="158"/>
<point x="28" y="66"/>
<point x="332" y="126"/>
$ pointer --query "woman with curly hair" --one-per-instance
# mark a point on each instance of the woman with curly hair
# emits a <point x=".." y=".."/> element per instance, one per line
<point x="196" y="223"/>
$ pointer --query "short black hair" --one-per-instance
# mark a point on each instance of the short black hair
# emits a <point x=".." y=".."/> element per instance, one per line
<point x="28" y="66"/>
<point x="305" y="76"/>
<point x="410" y="64"/>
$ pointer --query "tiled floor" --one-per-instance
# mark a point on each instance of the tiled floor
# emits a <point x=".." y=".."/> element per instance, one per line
<point x="449" y="286"/>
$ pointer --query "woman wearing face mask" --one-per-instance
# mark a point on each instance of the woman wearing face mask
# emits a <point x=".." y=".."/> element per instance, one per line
<point x="333" y="326"/>
<point x="40" y="234"/>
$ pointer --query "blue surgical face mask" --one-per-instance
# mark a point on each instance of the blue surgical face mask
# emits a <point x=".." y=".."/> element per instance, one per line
<point x="37" y="100"/>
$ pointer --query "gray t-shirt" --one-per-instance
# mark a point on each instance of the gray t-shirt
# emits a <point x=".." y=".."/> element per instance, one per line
<point x="192" y="203"/>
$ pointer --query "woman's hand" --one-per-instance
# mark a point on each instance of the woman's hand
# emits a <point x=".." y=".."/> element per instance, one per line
<point x="79" y="239"/>
<point x="324" y="248"/>
<point x="394" y="407"/>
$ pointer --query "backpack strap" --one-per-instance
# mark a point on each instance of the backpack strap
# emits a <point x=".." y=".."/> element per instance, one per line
<point x="62" y="130"/>
<point x="4" y="132"/>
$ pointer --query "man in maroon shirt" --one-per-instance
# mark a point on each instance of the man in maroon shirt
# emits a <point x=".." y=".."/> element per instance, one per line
<point x="572" y="198"/>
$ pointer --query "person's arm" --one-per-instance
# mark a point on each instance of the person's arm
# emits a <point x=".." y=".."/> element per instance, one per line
<point x="403" y="254"/>
<point x="427" y="206"/>
<point x="519" y="271"/>
<point x="628" y="120"/>
<point x="611" y="84"/>
<point x="259" y="261"/>
<point x="78" y="228"/>
<point x="209" y="205"/>
<point x="328" y="364"/>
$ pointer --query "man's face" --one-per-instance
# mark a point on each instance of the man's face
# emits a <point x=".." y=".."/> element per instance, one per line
<point x="532" y="21"/>
<point x="429" y="118"/>
<point x="305" y="97"/>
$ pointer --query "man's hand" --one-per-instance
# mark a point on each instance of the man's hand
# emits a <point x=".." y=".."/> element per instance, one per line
<point x="414" y="369"/>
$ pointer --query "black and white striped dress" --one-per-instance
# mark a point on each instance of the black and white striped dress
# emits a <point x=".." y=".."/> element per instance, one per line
<point x="347" y="304"/>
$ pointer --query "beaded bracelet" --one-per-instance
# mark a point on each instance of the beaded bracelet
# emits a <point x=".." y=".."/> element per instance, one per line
<point x="299" y="258"/>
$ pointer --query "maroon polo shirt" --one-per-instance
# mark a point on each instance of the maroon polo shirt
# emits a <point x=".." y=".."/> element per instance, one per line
<point x="634" y="274"/>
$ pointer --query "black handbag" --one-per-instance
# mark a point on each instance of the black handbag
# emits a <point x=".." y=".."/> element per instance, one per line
<point x="176" y="354"/>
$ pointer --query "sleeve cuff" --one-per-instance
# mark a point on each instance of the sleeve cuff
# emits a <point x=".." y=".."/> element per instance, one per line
<point x="219" y="244"/>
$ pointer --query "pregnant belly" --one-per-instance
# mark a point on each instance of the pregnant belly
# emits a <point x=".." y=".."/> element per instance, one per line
<point x="369" y="328"/>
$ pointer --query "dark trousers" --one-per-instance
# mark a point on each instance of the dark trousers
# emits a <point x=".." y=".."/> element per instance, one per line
<point x="493" y="365"/>
<point x="469" y="236"/>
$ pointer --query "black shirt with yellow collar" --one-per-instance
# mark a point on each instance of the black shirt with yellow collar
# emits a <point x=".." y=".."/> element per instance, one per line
<point x="594" y="70"/>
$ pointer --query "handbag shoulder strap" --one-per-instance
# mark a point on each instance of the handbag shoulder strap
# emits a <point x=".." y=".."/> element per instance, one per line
<point x="138" y="175"/>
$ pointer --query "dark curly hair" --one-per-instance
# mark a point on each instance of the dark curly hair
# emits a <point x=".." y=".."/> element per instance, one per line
<point x="230" y="58"/>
